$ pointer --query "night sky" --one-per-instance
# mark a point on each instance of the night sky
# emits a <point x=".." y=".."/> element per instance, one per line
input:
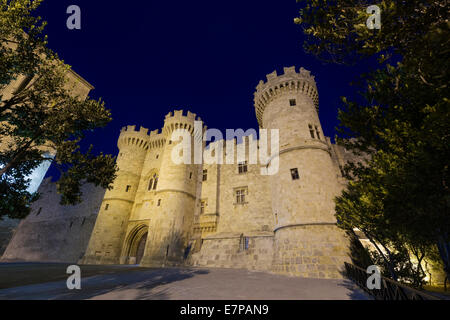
<point x="146" y="58"/>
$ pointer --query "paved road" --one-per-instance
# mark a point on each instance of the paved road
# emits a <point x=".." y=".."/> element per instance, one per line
<point x="48" y="281"/>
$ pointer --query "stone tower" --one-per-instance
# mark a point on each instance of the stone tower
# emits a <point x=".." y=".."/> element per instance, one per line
<point x="171" y="223"/>
<point x="109" y="231"/>
<point x="307" y="241"/>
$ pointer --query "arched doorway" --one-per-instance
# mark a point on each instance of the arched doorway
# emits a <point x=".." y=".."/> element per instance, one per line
<point x="141" y="248"/>
<point x="135" y="244"/>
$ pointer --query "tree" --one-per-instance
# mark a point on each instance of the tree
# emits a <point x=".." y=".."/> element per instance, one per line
<point x="401" y="122"/>
<point x="42" y="116"/>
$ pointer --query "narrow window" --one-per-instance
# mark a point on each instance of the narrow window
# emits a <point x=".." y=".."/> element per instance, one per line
<point x="150" y="184"/>
<point x="106" y="206"/>
<point x="294" y="174"/>
<point x="190" y="175"/>
<point x="71" y="224"/>
<point x="311" y="131"/>
<point x="39" y="212"/>
<point x="317" y="132"/>
<point x="128" y="188"/>
<point x="246" y="242"/>
<point x="205" y="175"/>
<point x="203" y="205"/>
<point x="157" y="156"/>
<point x="159" y="202"/>
<point x="24" y="84"/>
<point x="242" y="167"/>
<point x="84" y="220"/>
<point x="155" y="183"/>
<point x="292" y="102"/>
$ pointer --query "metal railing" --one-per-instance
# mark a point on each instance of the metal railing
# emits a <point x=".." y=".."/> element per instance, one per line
<point x="390" y="290"/>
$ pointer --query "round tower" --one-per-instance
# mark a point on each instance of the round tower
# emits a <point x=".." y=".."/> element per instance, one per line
<point x="171" y="222"/>
<point x="307" y="240"/>
<point x="107" y="237"/>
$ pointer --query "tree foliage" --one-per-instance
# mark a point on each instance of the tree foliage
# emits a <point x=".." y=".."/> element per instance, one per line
<point x="43" y="116"/>
<point x="400" y="197"/>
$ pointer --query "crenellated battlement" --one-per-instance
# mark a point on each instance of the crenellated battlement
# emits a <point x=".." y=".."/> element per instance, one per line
<point x="289" y="81"/>
<point x="180" y="114"/>
<point x="179" y="120"/>
<point x="157" y="139"/>
<point x="130" y="137"/>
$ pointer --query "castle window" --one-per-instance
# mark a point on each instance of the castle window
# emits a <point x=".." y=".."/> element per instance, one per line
<point x="317" y="132"/>
<point x="203" y="205"/>
<point x="150" y="184"/>
<point x="190" y="175"/>
<point x="170" y="141"/>
<point x="205" y="175"/>
<point x="128" y="188"/>
<point x="159" y="202"/>
<point x="242" y="167"/>
<point x="294" y="174"/>
<point x="157" y="156"/>
<point x="107" y="206"/>
<point x="244" y="243"/>
<point x="84" y="220"/>
<point x="155" y="183"/>
<point x="24" y="84"/>
<point x="292" y="102"/>
<point x="71" y="224"/>
<point x="240" y="195"/>
<point x="38" y="212"/>
<point x="311" y="131"/>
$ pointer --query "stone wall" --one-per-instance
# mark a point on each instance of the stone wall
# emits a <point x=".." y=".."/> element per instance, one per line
<point x="52" y="232"/>
<point x="7" y="228"/>
<point x="230" y="251"/>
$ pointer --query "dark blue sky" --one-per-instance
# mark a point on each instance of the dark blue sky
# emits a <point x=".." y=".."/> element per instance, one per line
<point x="146" y="58"/>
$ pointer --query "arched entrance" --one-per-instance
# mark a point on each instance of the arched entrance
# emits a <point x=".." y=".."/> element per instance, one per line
<point x="135" y="244"/>
<point x="141" y="248"/>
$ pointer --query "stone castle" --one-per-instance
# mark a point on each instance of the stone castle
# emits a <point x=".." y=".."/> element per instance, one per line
<point x="159" y="213"/>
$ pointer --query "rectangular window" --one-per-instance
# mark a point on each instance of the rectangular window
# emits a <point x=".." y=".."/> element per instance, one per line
<point x="155" y="183"/>
<point x="242" y="167"/>
<point x="292" y="102"/>
<point x="128" y="188"/>
<point x="107" y="206"/>
<point x="244" y="243"/>
<point x="159" y="202"/>
<point x="294" y="174"/>
<point x="203" y="205"/>
<point x="205" y="175"/>
<point x="190" y="175"/>
<point x="240" y="195"/>
<point x="317" y="132"/>
<point x="311" y="131"/>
